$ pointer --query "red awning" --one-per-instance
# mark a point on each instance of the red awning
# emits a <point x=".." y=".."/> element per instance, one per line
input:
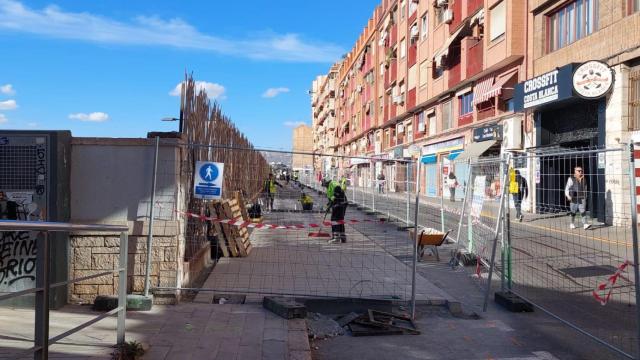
<point x="491" y="87"/>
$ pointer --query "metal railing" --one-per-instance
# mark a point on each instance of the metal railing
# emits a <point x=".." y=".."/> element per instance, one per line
<point x="42" y="341"/>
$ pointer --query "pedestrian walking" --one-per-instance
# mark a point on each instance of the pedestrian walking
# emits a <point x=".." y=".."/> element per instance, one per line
<point x="576" y="193"/>
<point x="381" y="181"/>
<point x="452" y="182"/>
<point x="269" y="189"/>
<point x="338" y="205"/>
<point x="519" y="191"/>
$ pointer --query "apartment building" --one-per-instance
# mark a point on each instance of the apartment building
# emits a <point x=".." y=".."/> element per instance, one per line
<point x="438" y="74"/>
<point x="582" y="89"/>
<point x="302" y="144"/>
<point x="323" y="108"/>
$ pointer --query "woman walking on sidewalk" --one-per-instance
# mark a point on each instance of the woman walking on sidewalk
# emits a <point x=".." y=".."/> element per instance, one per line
<point x="452" y="182"/>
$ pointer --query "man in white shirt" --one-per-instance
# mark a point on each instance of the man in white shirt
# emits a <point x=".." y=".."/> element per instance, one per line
<point x="576" y="192"/>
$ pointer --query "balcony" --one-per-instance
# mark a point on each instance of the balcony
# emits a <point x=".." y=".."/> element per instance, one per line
<point x="465" y="119"/>
<point x="393" y="35"/>
<point x="393" y="70"/>
<point x="456" y="8"/>
<point x="413" y="55"/>
<point x="413" y="16"/>
<point x="411" y="98"/>
<point x="474" y="49"/>
<point x="473" y="5"/>
<point x="455" y="74"/>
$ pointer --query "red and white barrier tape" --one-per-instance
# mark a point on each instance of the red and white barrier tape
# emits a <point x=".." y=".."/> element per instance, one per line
<point x="603" y="292"/>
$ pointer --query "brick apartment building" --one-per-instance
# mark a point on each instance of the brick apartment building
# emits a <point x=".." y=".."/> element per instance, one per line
<point x="449" y="75"/>
<point x="302" y="143"/>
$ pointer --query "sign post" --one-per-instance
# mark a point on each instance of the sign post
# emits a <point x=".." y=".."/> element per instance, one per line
<point x="207" y="180"/>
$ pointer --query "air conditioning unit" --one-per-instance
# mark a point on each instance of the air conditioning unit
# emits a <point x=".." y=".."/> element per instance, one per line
<point x="448" y="16"/>
<point x="399" y="99"/>
<point x="441" y="3"/>
<point x="512" y="133"/>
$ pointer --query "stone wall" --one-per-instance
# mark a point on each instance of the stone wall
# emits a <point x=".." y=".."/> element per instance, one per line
<point x="92" y="253"/>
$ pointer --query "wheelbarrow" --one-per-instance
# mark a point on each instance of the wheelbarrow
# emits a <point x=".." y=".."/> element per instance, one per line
<point x="429" y="237"/>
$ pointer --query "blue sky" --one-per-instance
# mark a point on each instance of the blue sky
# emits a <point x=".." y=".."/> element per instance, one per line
<point x="107" y="68"/>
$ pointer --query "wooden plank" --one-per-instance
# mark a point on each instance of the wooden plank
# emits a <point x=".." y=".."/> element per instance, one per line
<point x="228" y="230"/>
<point x="235" y="235"/>
<point x="243" y="206"/>
<point x="222" y="239"/>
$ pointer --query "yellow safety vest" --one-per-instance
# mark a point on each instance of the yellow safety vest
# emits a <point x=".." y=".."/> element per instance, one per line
<point x="271" y="185"/>
<point x="513" y="184"/>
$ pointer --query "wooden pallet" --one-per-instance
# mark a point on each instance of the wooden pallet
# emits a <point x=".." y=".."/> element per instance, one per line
<point x="242" y="235"/>
<point x="226" y="230"/>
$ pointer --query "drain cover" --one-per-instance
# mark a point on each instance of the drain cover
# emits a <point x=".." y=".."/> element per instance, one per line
<point x="589" y="271"/>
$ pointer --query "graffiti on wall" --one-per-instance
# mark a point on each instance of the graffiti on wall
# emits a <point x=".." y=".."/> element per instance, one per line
<point x="17" y="260"/>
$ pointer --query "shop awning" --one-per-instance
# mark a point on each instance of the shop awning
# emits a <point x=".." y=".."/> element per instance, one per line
<point x="491" y="87"/>
<point x="454" y="154"/>
<point x="429" y="159"/>
<point x="474" y="150"/>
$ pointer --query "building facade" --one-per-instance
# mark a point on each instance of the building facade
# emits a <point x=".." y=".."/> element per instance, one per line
<point x="450" y="76"/>
<point x="431" y="74"/>
<point x="302" y="143"/>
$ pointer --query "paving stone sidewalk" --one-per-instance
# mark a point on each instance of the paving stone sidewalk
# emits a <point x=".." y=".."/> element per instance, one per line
<point x="185" y="331"/>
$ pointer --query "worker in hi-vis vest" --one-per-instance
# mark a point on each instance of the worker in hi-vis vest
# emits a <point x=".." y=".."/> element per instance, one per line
<point x="269" y="189"/>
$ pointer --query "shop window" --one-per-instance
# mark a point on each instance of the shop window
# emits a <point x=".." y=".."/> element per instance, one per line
<point x="466" y="104"/>
<point x="572" y="22"/>
<point x="634" y="100"/>
<point x="498" y="21"/>
<point x="424" y="30"/>
<point x="447" y="116"/>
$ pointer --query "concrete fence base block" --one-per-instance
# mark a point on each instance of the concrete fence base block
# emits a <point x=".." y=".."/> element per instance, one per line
<point x="287" y="308"/>
<point x="134" y="303"/>
<point x="512" y="302"/>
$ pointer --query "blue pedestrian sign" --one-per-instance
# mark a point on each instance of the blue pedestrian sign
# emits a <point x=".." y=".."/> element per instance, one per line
<point x="207" y="182"/>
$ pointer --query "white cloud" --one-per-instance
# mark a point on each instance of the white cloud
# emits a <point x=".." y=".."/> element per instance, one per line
<point x="8" y="105"/>
<point x="3" y="119"/>
<point x="53" y="22"/>
<point x="92" y="117"/>
<point x="293" y="124"/>
<point x="213" y="90"/>
<point x="7" y="89"/>
<point x="32" y="125"/>
<point x="273" y="92"/>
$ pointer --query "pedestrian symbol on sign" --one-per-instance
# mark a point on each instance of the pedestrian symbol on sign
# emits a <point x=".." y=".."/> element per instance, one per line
<point x="208" y="180"/>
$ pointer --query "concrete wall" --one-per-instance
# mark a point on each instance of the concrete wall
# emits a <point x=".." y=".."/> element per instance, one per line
<point x="111" y="183"/>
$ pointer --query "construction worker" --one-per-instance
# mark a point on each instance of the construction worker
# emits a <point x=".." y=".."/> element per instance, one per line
<point x="343" y="183"/>
<point x="306" y="201"/>
<point x="269" y="189"/>
<point x="338" y="205"/>
<point x="331" y="186"/>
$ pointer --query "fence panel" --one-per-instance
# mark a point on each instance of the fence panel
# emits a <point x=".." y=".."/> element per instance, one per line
<point x="572" y="251"/>
<point x="296" y="245"/>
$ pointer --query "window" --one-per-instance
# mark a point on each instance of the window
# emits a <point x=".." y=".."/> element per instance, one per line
<point x="413" y="7"/>
<point x="421" y="122"/>
<point x="411" y="77"/>
<point x="414" y="33"/>
<point x="431" y="119"/>
<point x="381" y="102"/>
<point x="572" y="22"/>
<point x="403" y="49"/>
<point x="424" y="73"/>
<point x="403" y="8"/>
<point x="409" y="130"/>
<point x="634" y="100"/>
<point x="498" y="20"/>
<point x="466" y="106"/>
<point x="440" y="10"/>
<point x="634" y="5"/>
<point x="387" y="139"/>
<point x="446" y="116"/>
<point x="424" y="31"/>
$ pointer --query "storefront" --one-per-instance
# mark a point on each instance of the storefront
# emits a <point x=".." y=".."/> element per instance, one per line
<point x="569" y="110"/>
<point x="433" y="159"/>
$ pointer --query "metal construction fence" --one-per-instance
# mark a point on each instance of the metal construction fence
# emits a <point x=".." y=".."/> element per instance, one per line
<point x="284" y="240"/>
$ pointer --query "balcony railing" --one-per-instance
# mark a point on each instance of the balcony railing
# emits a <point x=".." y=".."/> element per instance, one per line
<point x="455" y="74"/>
<point x="40" y="349"/>
<point x="474" y="56"/>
